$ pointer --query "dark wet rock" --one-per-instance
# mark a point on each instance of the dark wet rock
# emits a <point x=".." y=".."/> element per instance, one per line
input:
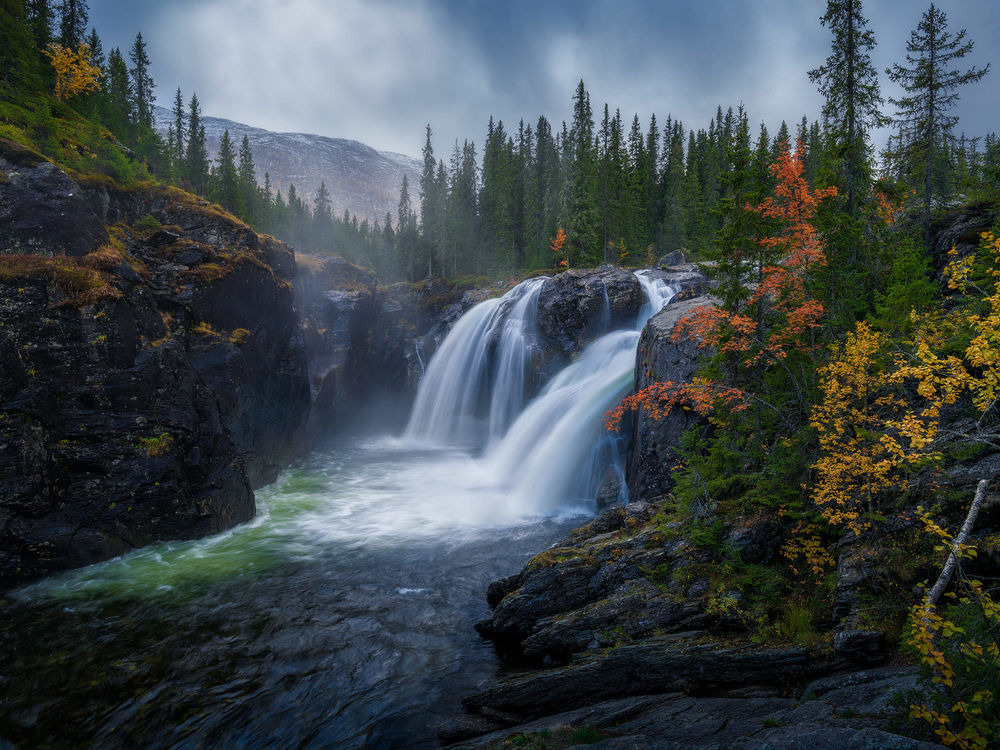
<point x="366" y="343"/>
<point x="497" y="590"/>
<point x="636" y="609"/>
<point x="757" y="542"/>
<point x="466" y="727"/>
<point x="687" y="278"/>
<point x="609" y="494"/>
<point x="856" y="569"/>
<point x="671" y="259"/>
<point x="659" y="358"/>
<point x="42" y="211"/>
<point x="547" y="591"/>
<point x="162" y="237"/>
<point x="854" y="716"/>
<point x="150" y="412"/>
<point x="577" y="305"/>
<point x="656" y="665"/>
<point x="592" y="590"/>
<point x="860" y="645"/>
<point x="961" y="228"/>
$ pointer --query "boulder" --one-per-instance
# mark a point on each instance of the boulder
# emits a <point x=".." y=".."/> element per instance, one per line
<point x="673" y="258"/>
<point x="578" y="305"/>
<point x="42" y="211"/>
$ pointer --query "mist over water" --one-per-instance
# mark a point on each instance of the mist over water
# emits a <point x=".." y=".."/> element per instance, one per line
<point x="342" y="616"/>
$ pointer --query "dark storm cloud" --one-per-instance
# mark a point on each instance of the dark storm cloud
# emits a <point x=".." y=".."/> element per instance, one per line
<point x="378" y="70"/>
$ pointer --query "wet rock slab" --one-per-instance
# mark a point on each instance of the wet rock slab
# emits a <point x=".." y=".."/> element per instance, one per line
<point x="844" y="711"/>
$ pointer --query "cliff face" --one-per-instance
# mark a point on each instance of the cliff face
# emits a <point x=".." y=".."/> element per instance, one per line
<point x="655" y="441"/>
<point x="152" y="372"/>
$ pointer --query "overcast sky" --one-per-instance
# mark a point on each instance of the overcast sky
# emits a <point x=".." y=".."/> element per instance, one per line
<point x="378" y="70"/>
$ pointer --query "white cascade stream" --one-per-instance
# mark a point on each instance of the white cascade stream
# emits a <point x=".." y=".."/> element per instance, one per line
<point x="553" y="451"/>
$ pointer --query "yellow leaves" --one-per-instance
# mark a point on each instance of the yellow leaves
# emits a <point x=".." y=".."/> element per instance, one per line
<point x="75" y="73"/>
<point x="806" y="553"/>
<point x="865" y="432"/>
<point x="870" y="431"/>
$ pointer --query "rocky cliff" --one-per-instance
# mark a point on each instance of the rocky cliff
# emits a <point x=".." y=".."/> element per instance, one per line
<point x="152" y="371"/>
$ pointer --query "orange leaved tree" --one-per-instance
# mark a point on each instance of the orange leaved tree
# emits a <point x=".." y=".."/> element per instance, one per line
<point x="557" y="244"/>
<point x="776" y="326"/>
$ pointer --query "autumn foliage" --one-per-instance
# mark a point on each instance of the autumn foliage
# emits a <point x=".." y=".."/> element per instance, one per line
<point x="880" y="418"/>
<point x="780" y="316"/>
<point x="868" y="436"/>
<point x="75" y="73"/>
<point x="557" y="244"/>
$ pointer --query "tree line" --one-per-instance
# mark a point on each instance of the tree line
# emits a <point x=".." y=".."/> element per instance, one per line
<point x="621" y="191"/>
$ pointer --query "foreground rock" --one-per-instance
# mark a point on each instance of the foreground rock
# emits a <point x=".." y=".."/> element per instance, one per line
<point x="849" y="711"/>
<point x="641" y="602"/>
<point x="145" y="388"/>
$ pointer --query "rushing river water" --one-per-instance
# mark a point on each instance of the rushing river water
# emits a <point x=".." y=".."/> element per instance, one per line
<point x="342" y="617"/>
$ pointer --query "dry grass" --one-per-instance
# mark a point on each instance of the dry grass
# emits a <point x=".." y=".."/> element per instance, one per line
<point x="84" y="281"/>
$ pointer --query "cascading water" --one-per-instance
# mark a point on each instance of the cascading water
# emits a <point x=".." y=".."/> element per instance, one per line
<point x="462" y="381"/>
<point x="343" y="615"/>
<point x="558" y="450"/>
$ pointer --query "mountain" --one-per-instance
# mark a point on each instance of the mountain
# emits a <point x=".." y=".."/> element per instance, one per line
<point x="360" y="179"/>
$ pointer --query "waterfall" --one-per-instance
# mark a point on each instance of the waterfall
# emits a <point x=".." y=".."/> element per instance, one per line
<point x="555" y="448"/>
<point x="463" y="391"/>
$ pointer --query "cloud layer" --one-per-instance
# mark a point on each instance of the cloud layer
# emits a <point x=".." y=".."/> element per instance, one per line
<point x="379" y="70"/>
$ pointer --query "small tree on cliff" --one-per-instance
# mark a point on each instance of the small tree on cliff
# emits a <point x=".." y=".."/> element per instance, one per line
<point x="75" y="73"/>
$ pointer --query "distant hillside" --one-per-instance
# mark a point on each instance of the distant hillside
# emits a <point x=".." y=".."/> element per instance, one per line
<point x="364" y="181"/>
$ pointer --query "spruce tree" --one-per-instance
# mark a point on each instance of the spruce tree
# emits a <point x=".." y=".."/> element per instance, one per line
<point x="429" y="203"/>
<point x="579" y="209"/>
<point x="117" y="99"/>
<point x="225" y="183"/>
<point x="18" y="56"/>
<point x="40" y="21"/>
<point x="323" y="218"/>
<point x="72" y="22"/>
<point x="852" y="102"/>
<point x="196" y="153"/>
<point x="441" y="220"/>
<point x="931" y="83"/>
<point x="179" y="131"/>
<point x="250" y="193"/>
<point x="740" y="228"/>
<point x="673" y="230"/>
<point x="142" y="85"/>
<point x="405" y="233"/>
<point x="96" y="49"/>
<point x="92" y="102"/>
